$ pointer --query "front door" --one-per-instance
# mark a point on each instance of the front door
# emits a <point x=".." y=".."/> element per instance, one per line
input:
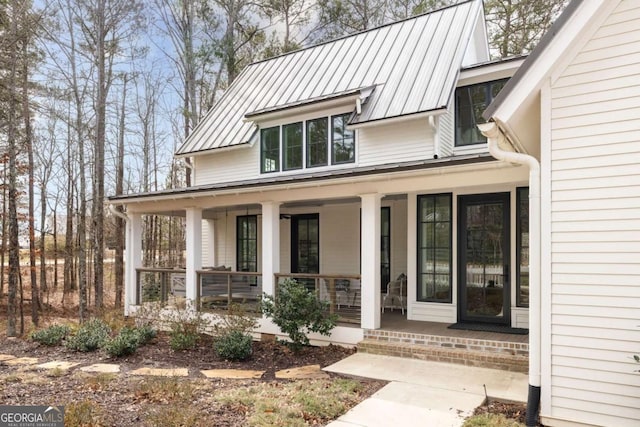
<point x="305" y="245"/>
<point x="483" y="242"/>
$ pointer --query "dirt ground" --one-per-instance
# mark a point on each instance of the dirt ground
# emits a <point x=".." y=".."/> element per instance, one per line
<point x="120" y="400"/>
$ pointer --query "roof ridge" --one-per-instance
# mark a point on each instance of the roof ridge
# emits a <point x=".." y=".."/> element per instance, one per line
<point x="357" y="33"/>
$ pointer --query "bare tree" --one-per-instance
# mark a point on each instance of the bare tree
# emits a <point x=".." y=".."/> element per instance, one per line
<point x="515" y="26"/>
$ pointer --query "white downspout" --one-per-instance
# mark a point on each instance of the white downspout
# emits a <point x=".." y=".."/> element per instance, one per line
<point x="434" y="122"/>
<point x="494" y="135"/>
<point x="117" y="213"/>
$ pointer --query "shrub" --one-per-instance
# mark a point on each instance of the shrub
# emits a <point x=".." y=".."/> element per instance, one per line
<point x="125" y="343"/>
<point x="53" y="335"/>
<point x="145" y="334"/>
<point x="89" y="337"/>
<point x="297" y="311"/>
<point x="234" y="345"/>
<point x="236" y="319"/>
<point x="185" y="328"/>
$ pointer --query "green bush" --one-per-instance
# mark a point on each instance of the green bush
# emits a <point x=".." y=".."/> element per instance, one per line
<point x="125" y="343"/>
<point x="185" y="329"/>
<point x="234" y="346"/>
<point x="145" y="334"/>
<point x="297" y="311"/>
<point x="53" y="335"/>
<point x="89" y="337"/>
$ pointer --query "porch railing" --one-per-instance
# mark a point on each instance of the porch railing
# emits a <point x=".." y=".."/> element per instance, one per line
<point x="341" y="291"/>
<point x="218" y="290"/>
<point x="159" y="284"/>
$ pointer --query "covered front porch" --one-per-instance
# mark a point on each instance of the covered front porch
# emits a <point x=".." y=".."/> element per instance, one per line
<point x="346" y="239"/>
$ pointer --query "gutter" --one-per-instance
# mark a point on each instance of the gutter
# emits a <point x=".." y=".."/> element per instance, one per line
<point x="434" y="123"/>
<point x="494" y="137"/>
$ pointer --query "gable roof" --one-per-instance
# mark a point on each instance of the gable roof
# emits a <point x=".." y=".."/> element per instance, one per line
<point x="412" y="66"/>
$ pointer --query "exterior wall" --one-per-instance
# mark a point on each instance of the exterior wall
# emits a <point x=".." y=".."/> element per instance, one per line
<point x="448" y="313"/>
<point x="594" y="163"/>
<point x="387" y="143"/>
<point x="398" y="142"/>
<point x="447" y="130"/>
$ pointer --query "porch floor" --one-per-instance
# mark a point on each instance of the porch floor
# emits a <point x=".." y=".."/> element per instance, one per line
<point x="397" y="322"/>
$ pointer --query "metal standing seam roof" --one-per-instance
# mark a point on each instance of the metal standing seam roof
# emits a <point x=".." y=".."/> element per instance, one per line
<point x="413" y="65"/>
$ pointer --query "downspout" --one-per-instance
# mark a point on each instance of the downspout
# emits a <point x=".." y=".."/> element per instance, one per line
<point x="434" y="122"/>
<point x="189" y="166"/>
<point x="494" y="136"/>
<point x="117" y="213"/>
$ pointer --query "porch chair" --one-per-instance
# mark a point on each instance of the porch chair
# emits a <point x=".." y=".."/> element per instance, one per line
<point x="396" y="289"/>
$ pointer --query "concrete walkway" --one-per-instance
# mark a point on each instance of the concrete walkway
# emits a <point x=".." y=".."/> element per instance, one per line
<point x="422" y="393"/>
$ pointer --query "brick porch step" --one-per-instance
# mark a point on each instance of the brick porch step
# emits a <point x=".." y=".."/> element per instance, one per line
<point x="503" y="355"/>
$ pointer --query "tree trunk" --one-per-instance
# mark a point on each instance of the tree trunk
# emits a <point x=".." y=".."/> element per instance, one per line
<point x="120" y="236"/>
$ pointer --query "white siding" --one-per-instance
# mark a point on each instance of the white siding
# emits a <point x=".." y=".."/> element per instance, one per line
<point x="447" y="131"/>
<point x="386" y="143"/>
<point x="227" y="166"/>
<point x="595" y="229"/>
<point x="397" y="142"/>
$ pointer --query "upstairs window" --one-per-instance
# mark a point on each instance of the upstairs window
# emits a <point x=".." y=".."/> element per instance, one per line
<point x="270" y="150"/>
<point x="306" y="144"/>
<point x="292" y="143"/>
<point x="317" y="142"/>
<point x="471" y="101"/>
<point x="343" y="147"/>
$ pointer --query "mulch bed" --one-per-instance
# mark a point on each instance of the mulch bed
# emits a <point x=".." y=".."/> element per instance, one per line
<point x="121" y="403"/>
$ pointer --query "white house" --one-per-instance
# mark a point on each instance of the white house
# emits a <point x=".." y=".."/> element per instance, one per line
<point x="573" y="108"/>
<point x="354" y="163"/>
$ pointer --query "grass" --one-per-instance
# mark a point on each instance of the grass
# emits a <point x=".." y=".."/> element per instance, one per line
<point x="299" y="403"/>
<point x="82" y="414"/>
<point x="98" y="382"/>
<point x="164" y="390"/>
<point x="491" y="420"/>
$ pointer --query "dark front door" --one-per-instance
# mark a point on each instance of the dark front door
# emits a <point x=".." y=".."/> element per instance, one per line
<point x="305" y="245"/>
<point x="483" y="251"/>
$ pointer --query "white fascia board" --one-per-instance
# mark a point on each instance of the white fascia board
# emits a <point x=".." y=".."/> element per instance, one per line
<point x="489" y="72"/>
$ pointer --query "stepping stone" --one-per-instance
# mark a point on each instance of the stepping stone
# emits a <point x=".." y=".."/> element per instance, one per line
<point x="303" y="372"/>
<point x="4" y="357"/>
<point x="232" y="373"/>
<point x="57" y="364"/>
<point x="102" y="368"/>
<point x="21" y="361"/>
<point x="157" y="372"/>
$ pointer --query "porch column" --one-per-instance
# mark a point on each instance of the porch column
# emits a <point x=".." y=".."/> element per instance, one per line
<point x="133" y="259"/>
<point x="270" y="245"/>
<point x="194" y="252"/>
<point x="370" y="260"/>
<point x="211" y="240"/>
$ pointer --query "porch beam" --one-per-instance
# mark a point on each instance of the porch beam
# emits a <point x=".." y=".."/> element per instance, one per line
<point x="270" y="245"/>
<point x="370" y="260"/>
<point x="194" y="252"/>
<point x="133" y="245"/>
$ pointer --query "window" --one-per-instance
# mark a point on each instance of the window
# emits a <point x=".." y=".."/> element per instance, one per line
<point x="471" y="101"/>
<point x="522" y="245"/>
<point x="247" y="243"/>
<point x="306" y="144"/>
<point x="270" y="149"/>
<point x="317" y="142"/>
<point x="292" y="143"/>
<point x="343" y="141"/>
<point x="434" y="248"/>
